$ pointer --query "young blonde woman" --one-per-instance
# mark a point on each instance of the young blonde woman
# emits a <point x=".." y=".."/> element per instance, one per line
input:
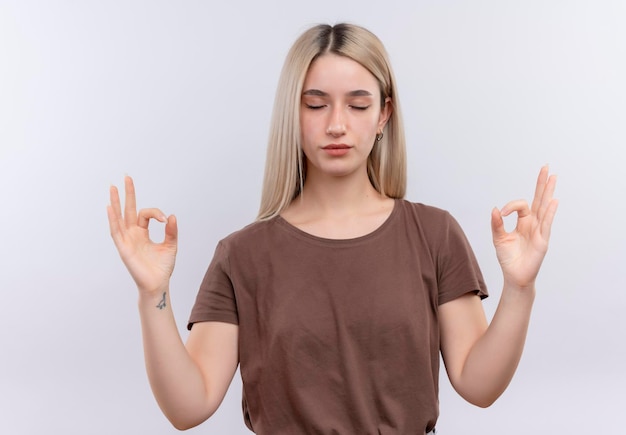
<point x="337" y="301"/>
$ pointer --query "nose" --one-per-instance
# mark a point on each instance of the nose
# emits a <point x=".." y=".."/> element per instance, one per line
<point x="336" y="123"/>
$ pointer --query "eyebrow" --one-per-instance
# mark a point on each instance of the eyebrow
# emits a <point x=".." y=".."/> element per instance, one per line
<point x="356" y="93"/>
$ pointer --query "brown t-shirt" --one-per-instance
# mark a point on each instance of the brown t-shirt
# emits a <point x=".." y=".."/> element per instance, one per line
<point x="340" y="336"/>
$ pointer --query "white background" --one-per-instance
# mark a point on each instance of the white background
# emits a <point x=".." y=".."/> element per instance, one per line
<point x="178" y="94"/>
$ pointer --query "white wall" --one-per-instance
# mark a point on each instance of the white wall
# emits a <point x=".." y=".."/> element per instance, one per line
<point x="179" y="94"/>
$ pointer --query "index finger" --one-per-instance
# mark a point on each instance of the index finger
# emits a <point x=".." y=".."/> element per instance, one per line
<point x="130" y="204"/>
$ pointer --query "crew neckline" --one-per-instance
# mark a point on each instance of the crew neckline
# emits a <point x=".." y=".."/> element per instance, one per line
<point x="311" y="237"/>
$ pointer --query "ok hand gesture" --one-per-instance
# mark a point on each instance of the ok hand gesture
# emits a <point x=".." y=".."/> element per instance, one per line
<point x="150" y="264"/>
<point x="521" y="251"/>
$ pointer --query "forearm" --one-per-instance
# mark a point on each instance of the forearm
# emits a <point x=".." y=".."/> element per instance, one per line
<point x="176" y="381"/>
<point x="494" y="358"/>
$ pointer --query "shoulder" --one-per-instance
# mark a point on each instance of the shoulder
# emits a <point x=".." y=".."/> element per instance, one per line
<point x="255" y="234"/>
<point x="424" y="214"/>
<point x="420" y="208"/>
<point x="436" y="225"/>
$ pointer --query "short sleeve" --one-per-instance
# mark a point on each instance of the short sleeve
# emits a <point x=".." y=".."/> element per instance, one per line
<point x="216" y="298"/>
<point x="458" y="272"/>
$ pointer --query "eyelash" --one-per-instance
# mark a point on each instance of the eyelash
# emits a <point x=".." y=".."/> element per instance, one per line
<point x="352" y="107"/>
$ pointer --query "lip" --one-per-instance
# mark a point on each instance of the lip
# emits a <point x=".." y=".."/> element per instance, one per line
<point x="336" y="149"/>
<point x="336" y="146"/>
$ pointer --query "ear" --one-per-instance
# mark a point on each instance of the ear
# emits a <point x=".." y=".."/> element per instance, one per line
<point x="385" y="114"/>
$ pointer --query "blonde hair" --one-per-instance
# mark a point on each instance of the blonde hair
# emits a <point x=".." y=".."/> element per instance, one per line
<point x="285" y="168"/>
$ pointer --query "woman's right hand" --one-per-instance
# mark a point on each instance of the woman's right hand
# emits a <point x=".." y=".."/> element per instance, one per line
<point x="150" y="264"/>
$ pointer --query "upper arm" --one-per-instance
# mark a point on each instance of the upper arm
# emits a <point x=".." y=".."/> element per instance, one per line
<point x="462" y="322"/>
<point x="213" y="346"/>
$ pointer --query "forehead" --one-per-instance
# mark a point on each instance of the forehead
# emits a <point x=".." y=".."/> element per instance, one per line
<point x="333" y="73"/>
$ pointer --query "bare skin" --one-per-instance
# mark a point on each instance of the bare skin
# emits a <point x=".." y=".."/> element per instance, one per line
<point x="338" y="202"/>
<point x="340" y="105"/>
<point x="481" y="359"/>
<point x="189" y="383"/>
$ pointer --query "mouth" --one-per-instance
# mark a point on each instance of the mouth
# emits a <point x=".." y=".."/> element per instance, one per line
<point x="337" y="149"/>
<point x="335" y="146"/>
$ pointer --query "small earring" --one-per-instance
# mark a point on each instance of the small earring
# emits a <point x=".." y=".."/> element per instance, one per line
<point x="379" y="136"/>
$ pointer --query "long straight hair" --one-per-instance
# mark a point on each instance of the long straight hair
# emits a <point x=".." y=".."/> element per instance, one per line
<point x="285" y="166"/>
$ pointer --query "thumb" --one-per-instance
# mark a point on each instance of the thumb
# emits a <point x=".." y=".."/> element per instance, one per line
<point x="171" y="231"/>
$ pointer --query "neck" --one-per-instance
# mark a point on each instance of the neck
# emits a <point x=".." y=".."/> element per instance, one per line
<point x="338" y="207"/>
<point x="328" y="195"/>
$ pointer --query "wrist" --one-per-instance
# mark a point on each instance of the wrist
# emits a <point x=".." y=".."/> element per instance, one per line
<point x="519" y="293"/>
<point x="158" y="298"/>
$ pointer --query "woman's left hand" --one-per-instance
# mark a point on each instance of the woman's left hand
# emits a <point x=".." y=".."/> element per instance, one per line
<point x="521" y="251"/>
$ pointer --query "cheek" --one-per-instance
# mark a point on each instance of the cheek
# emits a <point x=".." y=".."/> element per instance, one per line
<point x="305" y="135"/>
<point x="305" y="130"/>
<point x="368" y="126"/>
<point x="304" y="121"/>
<point x="308" y="129"/>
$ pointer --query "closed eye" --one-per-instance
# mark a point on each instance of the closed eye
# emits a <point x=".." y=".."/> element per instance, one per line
<point x="360" y="107"/>
<point x="312" y="106"/>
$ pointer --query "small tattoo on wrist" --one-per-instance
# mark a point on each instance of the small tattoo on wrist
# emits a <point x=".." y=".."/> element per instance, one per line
<point x="162" y="303"/>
